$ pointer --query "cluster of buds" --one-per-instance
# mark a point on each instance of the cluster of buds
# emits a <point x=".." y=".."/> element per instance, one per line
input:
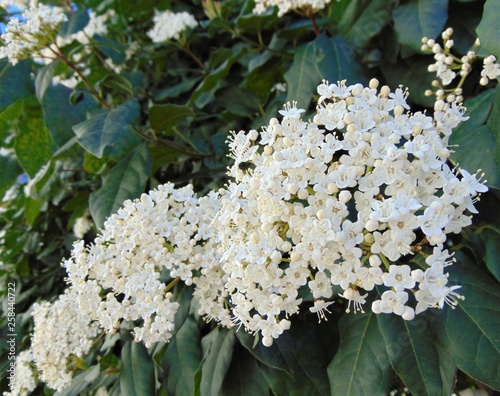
<point x="448" y="66"/>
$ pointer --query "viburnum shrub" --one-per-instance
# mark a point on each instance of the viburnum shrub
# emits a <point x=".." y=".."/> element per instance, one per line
<point x="339" y="200"/>
<point x="307" y="230"/>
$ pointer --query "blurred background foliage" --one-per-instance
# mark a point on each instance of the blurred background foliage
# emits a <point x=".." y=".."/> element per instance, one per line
<point x="153" y="113"/>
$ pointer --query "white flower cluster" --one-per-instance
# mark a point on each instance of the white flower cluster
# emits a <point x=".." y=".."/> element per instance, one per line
<point x="285" y="6"/>
<point x="491" y="70"/>
<point x="24" y="376"/>
<point x="447" y="66"/>
<point x="23" y="39"/>
<point x="62" y="334"/>
<point x="82" y="225"/>
<point x="169" y="25"/>
<point x="323" y="208"/>
<point x="119" y="277"/>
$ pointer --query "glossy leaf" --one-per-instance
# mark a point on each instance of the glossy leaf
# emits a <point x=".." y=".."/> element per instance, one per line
<point x="361" y="366"/>
<point x="33" y="144"/>
<point x="487" y="30"/>
<point x="109" y="131"/>
<point x="324" y="58"/>
<point x="205" y="91"/>
<point x="414" y="355"/>
<point x="10" y="170"/>
<point x="60" y="115"/>
<point x="469" y="333"/>
<point x="217" y="355"/>
<point x="491" y="259"/>
<point x="126" y="180"/>
<point x="137" y="377"/>
<point x="474" y="144"/>
<point x="244" y="377"/>
<point x="116" y="83"/>
<point x="15" y="82"/>
<point x="302" y="353"/>
<point x="420" y="18"/>
<point x="75" y="23"/>
<point x="165" y="117"/>
<point x="44" y="79"/>
<point x="183" y="359"/>
<point x="362" y="20"/>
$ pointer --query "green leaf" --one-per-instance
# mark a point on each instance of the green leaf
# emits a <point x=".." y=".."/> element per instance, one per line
<point x="10" y="171"/>
<point x="361" y="365"/>
<point x="165" y="117"/>
<point x="76" y="22"/>
<point x="32" y="210"/>
<point x="324" y="58"/>
<point x="205" y="91"/>
<point x="183" y="359"/>
<point x="493" y="251"/>
<point x="33" y="143"/>
<point x="44" y="79"/>
<point x="137" y="377"/>
<point x="362" y="20"/>
<point x="487" y="30"/>
<point x="109" y="129"/>
<point x="217" y="354"/>
<point x="244" y="377"/>
<point x="469" y="333"/>
<point x="414" y="356"/>
<point x="15" y="81"/>
<point x="116" y="83"/>
<point x="474" y="144"/>
<point x="494" y="123"/>
<point x="60" y="115"/>
<point x="111" y="48"/>
<point x="420" y="18"/>
<point x="126" y="180"/>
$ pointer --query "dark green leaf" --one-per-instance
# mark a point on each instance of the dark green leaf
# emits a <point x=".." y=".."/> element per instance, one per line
<point x="165" y="117"/>
<point x="244" y="377"/>
<point x="413" y="354"/>
<point x="44" y="79"/>
<point x="420" y="18"/>
<point x="33" y="142"/>
<point x="126" y="180"/>
<point x="303" y="352"/>
<point x="177" y="90"/>
<point x="183" y="359"/>
<point x="469" y="333"/>
<point x="116" y="83"/>
<point x="32" y="210"/>
<point x="494" y="123"/>
<point x="362" y="20"/>
<point x="76" y="22"/>
<point x="137" y="376"/>
<point x="204" y="93"/>
<point x="474" y="144"/>
<point x="109" y="129"/>
<point x="15" y="82"/>
<point x="361" y="366"/>
<point x="80" y="382"/>
<point x="487" y="30"/>
<point x="217" y="355"/>
<point x="492" y="258"/>
<point x="111" y="48"/>
<point x="10" y="170"/>
<point x="324" y="58"/>
<point x="60" y="115"/>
